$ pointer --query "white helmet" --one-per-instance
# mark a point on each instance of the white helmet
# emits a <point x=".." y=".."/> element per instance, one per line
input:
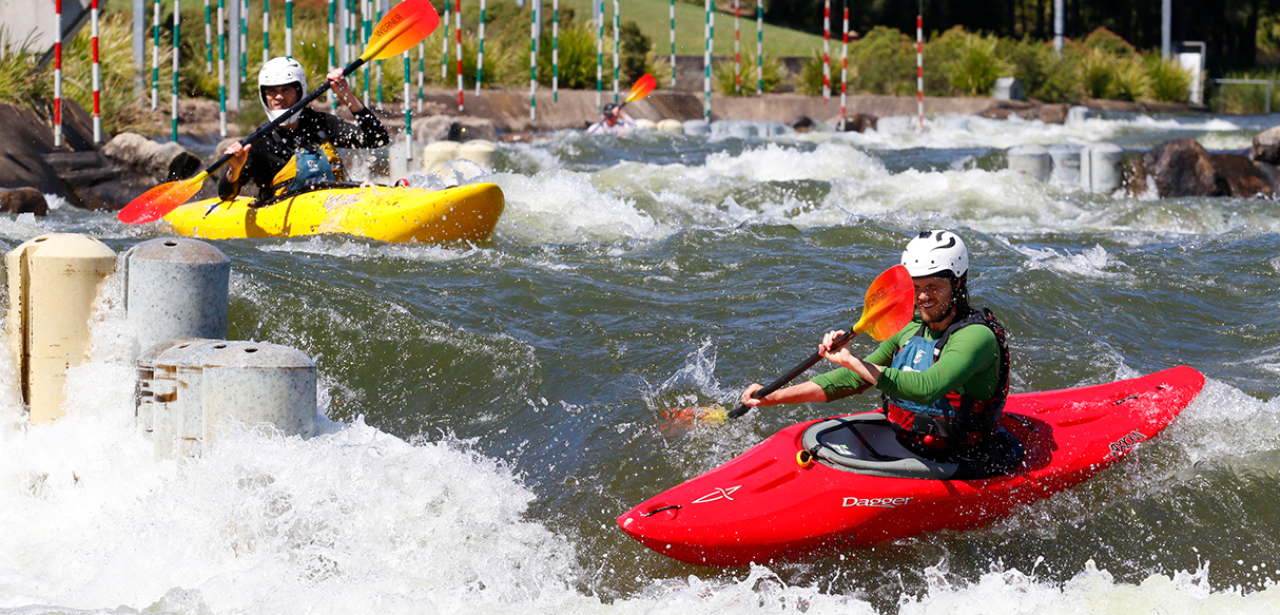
<point x="277" y="72"/>
<point x="933" y="252"/>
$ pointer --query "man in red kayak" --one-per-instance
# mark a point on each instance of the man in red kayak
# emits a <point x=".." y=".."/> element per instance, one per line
<point x="301" y="151"/>
<point x="943" y="380"/>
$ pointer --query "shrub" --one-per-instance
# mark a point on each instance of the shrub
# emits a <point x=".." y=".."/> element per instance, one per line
<point x="885" y="62"/>
<point x="1108" y="42"/>
<point x="724" y="76"/>
<point x="809" y="81"/>
<point x="22" y="80"/>
<point x="1132" y="80"/>
<point x="1098" y="74"/>
<point x="975" y="70"/>
<point x="1170" y="82"/>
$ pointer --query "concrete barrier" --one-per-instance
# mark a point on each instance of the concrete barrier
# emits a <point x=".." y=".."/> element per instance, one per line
<point x="1100" y="167"/>
<point x="176" y="288"/>
<point x="1066" y="164"/>
<point x="1032" y="160"/>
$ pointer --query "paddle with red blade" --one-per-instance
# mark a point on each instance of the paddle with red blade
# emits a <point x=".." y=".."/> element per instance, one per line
<point x="403" y="27"/>
<point x="640" y="89"/>
<point x="887" y="308"/>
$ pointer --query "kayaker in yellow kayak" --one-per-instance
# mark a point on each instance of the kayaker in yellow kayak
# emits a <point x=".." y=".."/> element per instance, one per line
<point x="943" y="381"/>
<point x="302" y="151"/>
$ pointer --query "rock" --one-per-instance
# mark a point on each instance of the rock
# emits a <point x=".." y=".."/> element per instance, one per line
<point x="1243" y="178"/>
<point x="1266" y="146"/>
<point x="454" y="128"/>
<point x="166" y="162"/>
<point x="1053" y="114"/>
<point x="801" y="123"/>
<point x="22" y="201"/>
<point x="1182" y="167"/>
<point x="860" y="122"/>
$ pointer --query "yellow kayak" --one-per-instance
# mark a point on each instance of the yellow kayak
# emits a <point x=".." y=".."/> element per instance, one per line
<point x="387" y="213"/>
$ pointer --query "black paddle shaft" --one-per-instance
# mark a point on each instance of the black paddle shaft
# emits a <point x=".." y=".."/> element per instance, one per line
<point x="274" y="124"/>
<point x="791" y="375"/>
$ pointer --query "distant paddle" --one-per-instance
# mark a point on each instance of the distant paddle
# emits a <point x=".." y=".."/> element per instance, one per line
<point x="887" y="308"/>
<point x="641" y="88"/>
<point x="403" y="27"/>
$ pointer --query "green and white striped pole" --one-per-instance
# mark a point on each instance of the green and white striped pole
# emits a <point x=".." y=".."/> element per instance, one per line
<point x="555" y="50"/>
<point x="533" y="60"/>
<point x="408" y="114"/>
<point x="600" y="61"/>
<point x="208" y="38"/>
<point x="177" y="18"/>
<point x="333" y="49"/>
<point x="480" y="54"/>
<point x="266" y="31"/>
<point x="615" y="51"/>
<point x="222" y="69"/>
<point x="155" y="58"/>
<point x="288" y="28"/>
<point x="706" y="62"/>
<point x="244" y="42"/>
<point x="444" y="52"/>
<point x="673" y="44"/>
<point x="422" y="66"/>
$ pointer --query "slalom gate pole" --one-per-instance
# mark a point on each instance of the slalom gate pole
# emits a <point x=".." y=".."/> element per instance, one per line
<point x="616" y="42"/>
<point x="480" y="53"/>
<point x="266" y="31"/>
<point x="97" y="79"/>
<point x="444" y="51"/>
<point x="826" y="51"/>
<point x="222" y="69"/>
<point x="288" y="28"/>
<point x="533" y="60"/>
<point x="457" y="22"/>
<point x="844" y="69"/>
<point x="155" y="54"/>
<point x="759" y="48"/>
<point x="600" y="59"/>
<point x="177" y="19"/>
<point x="920" y="66"/>
<point x="673" y="44"/>
<point x="555" y="50"/>
<point x="333" y="49"/>
<point x="57" y="75"/>
<point x="737" y="46"/>
<point x="422" y="68"/>
<point x="208" y="38"/>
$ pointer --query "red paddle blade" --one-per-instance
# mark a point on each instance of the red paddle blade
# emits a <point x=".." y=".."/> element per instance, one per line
<point x="158" y="201"/>
<point x="889" y="304"/>
<point x="403" y="27"/>
<point x="642" y="87"/>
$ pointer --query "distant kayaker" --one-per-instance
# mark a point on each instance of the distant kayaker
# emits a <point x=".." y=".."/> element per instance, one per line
<point x="302" y="151"/>
<point x="943" y="380"/>
<point x="614" y="121"/>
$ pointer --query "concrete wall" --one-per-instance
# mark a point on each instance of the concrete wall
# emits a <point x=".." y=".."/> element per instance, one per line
<point x="36" y="21"/>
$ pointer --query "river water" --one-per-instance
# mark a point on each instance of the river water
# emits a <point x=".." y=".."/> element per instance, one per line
<point x="490" y="409"/>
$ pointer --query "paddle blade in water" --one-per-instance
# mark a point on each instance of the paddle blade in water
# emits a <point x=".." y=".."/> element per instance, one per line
<point x="889" y="304"/>
<point x="642" y="87"/>
<point x="679" y="421"/>
<point x="403" y="27"/>
<point x="156" y="202"/>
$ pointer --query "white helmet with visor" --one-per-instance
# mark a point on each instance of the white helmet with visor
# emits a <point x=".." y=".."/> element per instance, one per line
<point x="933" y="252"/>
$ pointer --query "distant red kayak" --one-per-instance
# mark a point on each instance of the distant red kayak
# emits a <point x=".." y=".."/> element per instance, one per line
<point x="865" y="488"/>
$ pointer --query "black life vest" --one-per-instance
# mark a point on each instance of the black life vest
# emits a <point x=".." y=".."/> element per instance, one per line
<point x="955" y="421"/>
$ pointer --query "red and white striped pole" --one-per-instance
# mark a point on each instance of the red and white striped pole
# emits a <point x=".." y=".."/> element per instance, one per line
<point x="97" y="79"/>
<point x="826" y="51"/>
<point x="920" y="65"/>
<point x="844" y="69"/>
<point x="737" y="46"/>
<point x="57" y="76"/>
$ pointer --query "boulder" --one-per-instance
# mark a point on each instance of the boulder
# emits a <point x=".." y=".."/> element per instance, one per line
<point x="162" y="162"/>
<point x="1182" y="167"/>
<point x="801" y="123"/>
<point x="22" y="201"/>
<point x="1266" y="146"/>
<point x="860" y="122"/>
<point x="1243" y="178"/>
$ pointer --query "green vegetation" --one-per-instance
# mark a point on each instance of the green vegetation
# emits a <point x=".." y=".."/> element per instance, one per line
<point x="1246" y="98"/>
<point x="745" y="82"/>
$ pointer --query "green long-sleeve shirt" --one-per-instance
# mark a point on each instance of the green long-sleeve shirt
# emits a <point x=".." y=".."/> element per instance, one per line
<point x="969" y="364"/>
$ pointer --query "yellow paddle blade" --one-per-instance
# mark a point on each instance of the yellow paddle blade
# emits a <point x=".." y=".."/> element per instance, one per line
<point x="156" y="202"/>
<point x="403" y="27"/>
<point x="889" y="304"/>
<point x="642" y="87"/>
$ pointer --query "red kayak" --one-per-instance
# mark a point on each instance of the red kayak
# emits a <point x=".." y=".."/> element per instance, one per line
<point x="822" y="485"/>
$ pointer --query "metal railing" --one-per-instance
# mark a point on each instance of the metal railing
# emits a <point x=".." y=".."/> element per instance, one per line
<point x="1266" y="82"/>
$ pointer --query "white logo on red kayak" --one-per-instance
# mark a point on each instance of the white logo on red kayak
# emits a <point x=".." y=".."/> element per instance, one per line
<point x="718" y="494"/>
<point x="1122" y="446"/>
<point x="877" y="502"/>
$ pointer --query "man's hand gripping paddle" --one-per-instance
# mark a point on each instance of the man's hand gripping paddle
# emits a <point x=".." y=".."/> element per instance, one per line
<point x="403" y="27"/>
<point x="888" y="307"/>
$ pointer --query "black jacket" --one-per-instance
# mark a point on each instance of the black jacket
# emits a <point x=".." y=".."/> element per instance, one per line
<point x="275" y="148"/>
